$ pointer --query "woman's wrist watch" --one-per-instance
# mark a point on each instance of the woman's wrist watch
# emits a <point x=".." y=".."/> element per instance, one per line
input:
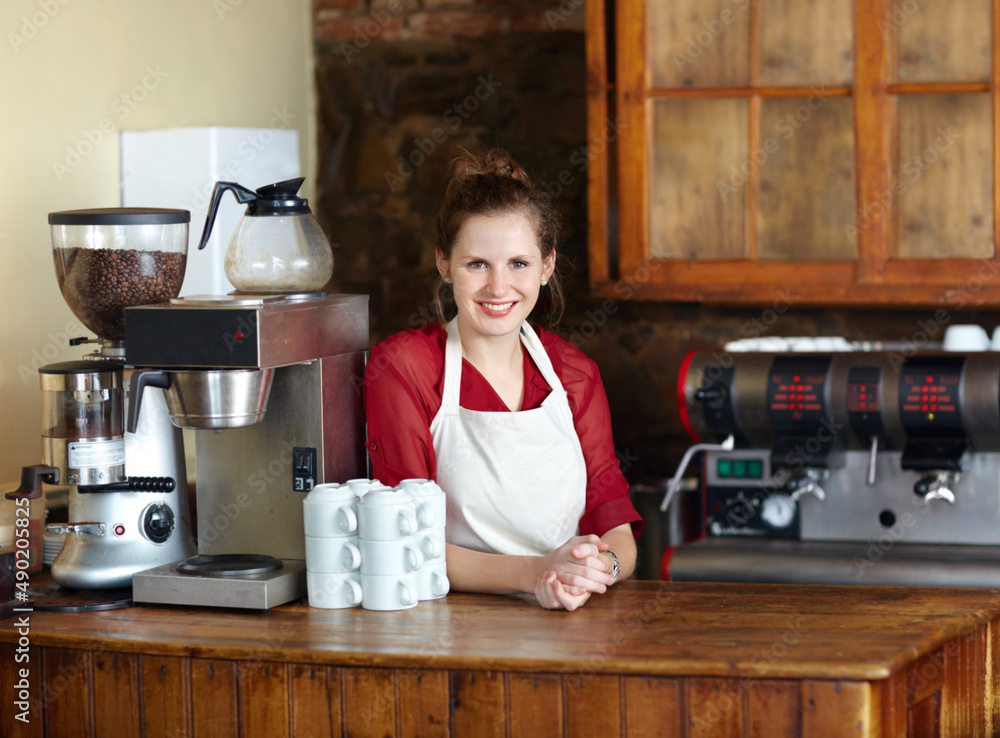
<point x="615" y="566"/>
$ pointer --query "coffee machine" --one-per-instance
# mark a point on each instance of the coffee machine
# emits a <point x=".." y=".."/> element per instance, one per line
<point x="269" y="377"/>
<point x="852" y="467"/>
<point x="271" y="384"/>
<point x="128" y="506"/>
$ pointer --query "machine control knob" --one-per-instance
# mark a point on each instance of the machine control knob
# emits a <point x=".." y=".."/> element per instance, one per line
<point x="158" y="522"/>
<point x="937" y="486"/>
<point x="778" y="511"/>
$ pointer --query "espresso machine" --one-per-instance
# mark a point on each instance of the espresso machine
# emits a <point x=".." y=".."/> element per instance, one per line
<point x="128" y="506"/>
<point x="269" y="377"/>
<point x="850" y="467"/>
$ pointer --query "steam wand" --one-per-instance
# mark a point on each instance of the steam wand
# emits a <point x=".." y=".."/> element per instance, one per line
<point x="675" y="482"/>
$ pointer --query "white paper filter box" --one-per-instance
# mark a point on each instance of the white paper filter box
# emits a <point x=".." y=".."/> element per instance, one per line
<point x="178" y="167"/>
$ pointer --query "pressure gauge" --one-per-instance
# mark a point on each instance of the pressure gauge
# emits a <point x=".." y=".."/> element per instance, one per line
<point x="778" y="511"/>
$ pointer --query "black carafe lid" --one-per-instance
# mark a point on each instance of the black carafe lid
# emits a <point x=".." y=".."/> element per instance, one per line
<point x="280" y="198"/>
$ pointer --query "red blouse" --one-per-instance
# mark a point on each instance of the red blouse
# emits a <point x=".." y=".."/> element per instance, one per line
<point x="403" y="385"/>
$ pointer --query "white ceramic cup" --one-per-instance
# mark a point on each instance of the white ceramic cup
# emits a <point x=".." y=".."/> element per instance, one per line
<point x="333" y="554"/>
<point x="432" y="581"/>
<point x="966" y="338"/>
<point x="385" y="515"/>
<point x="384" y="558"/>
<point x="360" y="487"/>
<point x="330" y="510"/>
<point x="330" y="591"/>
<point x="432" y="545"/>
<point x="398" y="592"/>
<point x="429" y="502"/>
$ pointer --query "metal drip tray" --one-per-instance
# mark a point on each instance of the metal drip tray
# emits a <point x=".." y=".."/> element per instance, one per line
<point x="835" y="562"/>
<point x="169" y="585"/>
<point x="229" y="565"/>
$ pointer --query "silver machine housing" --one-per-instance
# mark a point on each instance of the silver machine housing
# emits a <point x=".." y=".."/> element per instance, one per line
<point x="251" y="481"/>
<point x="875" y="475"/>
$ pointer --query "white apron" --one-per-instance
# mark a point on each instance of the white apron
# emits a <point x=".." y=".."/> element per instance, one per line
<point x="515" y="482"/>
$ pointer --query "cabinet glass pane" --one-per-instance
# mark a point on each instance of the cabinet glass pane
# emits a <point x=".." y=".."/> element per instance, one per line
<point x="697" y="192"/>
<point x="806" y="201"/>
<point x="943" y="182"/>
<point x="699" y="43"/>
<point x="806" y="43"/>
<point x="941" y="40"/>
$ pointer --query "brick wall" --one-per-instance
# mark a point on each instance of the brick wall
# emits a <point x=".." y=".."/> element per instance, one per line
<point x="362" y="21"/>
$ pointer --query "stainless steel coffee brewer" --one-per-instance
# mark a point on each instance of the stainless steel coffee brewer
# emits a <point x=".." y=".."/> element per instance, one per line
<point x="270" y="378"/>
<point x="128" y="506"/>
<point x="271" y="383"/>
<point x="851" y="467"/>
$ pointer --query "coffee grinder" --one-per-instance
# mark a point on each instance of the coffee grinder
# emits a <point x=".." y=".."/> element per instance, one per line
<point x="128" y="506"/>
<point x="269" y="377"/>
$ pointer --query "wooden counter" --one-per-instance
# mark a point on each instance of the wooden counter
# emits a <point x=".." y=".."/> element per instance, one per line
<point x="646" y="659"/>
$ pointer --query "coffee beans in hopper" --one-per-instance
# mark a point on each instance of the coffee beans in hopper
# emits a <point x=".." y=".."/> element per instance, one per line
<point x="98" y="284"/>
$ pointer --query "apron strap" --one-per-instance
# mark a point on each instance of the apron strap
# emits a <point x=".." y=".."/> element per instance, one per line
<point x="452" y="366"/>
<point x="537" y="351"/>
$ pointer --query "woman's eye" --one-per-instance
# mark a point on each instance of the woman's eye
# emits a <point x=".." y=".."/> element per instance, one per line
<point x="476" y="265"/>
<point x="519" y="264"/>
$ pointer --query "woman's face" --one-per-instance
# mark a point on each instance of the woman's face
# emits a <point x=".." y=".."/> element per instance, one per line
<point x="496" y="268"/>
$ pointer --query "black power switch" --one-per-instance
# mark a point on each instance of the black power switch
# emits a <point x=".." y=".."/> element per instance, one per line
<point x="303" y="468"/>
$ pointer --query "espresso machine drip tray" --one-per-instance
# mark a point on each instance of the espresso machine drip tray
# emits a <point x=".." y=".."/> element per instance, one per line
<point x="835" y="562"/>
<point x="229" y="565"/>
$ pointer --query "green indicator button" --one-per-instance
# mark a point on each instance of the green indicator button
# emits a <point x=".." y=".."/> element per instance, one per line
<point x="740" y="469"/>
<point x="755" y="469"/>
<point x="725" y="468"/>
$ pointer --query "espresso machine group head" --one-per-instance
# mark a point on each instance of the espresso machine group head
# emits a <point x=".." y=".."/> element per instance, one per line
<point x="837" y="452"/>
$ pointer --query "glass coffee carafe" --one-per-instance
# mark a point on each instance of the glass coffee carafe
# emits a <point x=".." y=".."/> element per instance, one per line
<point x="277" y="247"/>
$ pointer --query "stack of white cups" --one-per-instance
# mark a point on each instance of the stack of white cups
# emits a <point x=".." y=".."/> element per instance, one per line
<point x="333" y="556"/>
<point x="376" y="546"/>
<point x="432" y="578"/>
<point x="390" y="554"/>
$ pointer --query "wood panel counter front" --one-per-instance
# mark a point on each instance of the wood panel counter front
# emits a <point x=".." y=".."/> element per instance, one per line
<point x="645" y="659"/>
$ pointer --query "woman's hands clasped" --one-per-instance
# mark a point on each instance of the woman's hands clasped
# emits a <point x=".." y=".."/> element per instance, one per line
<point x="572" y="573"/>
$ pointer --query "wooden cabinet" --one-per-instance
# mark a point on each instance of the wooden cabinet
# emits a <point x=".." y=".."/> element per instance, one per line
<point x="646" y="659"/>
<point x="815" y="152"/>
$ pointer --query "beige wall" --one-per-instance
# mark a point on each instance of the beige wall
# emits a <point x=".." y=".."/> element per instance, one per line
<point x="70" y="68"/>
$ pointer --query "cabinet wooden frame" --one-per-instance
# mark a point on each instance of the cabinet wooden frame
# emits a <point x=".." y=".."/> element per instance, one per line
<point x="620" y="259"/>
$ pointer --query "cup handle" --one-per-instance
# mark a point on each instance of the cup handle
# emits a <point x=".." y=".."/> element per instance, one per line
<point x="406" y="594"/>
<point x="414" y="559"/>
<point x="425" y="515"/>
<point x="407" y="522"/>
<point x="351" y="558"/>
<point x="347" y="519"/>
<point x="352" y="592"/>
<point x="440" y="585"/>
<point x="430" y="548"/>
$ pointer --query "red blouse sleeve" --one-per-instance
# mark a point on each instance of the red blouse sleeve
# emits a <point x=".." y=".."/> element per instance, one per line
<point x="608" y="502"/>
<point x="398" y="399"/>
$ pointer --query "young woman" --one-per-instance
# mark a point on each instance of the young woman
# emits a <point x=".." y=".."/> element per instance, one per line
<point x="511" y="422"/>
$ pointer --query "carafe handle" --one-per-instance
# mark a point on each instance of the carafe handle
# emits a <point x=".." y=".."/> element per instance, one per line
<point x="243" y="195"/>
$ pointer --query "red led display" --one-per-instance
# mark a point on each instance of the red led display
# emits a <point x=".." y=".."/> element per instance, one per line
<point x="796" y="395"/>
<point x="929" y="394"/>
<point x="862" y="397"/>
